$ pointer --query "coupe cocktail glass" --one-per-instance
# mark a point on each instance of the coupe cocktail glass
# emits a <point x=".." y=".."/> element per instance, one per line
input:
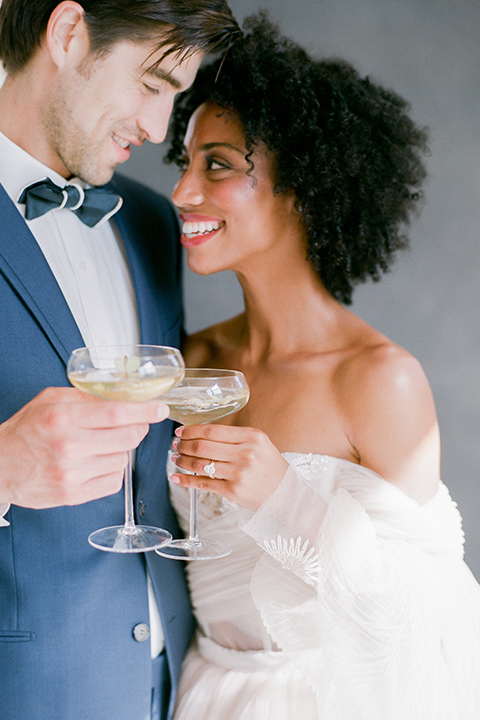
<point x="132" y="373"/>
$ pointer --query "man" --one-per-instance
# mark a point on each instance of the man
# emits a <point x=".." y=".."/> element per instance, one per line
<point x="87" y="635"/>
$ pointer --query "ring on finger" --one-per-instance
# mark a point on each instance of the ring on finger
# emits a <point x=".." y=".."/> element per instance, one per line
<point x="209" y="469"/>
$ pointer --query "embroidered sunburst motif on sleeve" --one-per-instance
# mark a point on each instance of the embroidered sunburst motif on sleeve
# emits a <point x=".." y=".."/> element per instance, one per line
<point x="295" y="556"/>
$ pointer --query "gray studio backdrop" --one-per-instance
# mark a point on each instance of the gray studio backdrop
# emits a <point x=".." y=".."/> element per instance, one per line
<point x="429" y="52"/>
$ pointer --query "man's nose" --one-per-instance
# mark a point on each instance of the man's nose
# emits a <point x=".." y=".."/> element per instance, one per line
<point x="153" y="123"/>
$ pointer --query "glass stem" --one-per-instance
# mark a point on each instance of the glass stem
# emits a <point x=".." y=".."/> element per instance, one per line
<point x="193" y="537"/>
<point x="128" y="484"/>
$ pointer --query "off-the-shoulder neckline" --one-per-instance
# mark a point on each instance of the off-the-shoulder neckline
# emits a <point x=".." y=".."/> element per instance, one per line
<point x="367" y="471"/>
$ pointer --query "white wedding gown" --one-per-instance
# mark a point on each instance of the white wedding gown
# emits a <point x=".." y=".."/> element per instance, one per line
<point x="343" y="599"/>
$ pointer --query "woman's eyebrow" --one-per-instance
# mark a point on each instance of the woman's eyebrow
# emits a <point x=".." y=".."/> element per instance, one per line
<point x="212" y="145"/>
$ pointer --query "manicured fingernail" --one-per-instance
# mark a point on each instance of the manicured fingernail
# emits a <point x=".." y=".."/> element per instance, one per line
<point x="179" y="431"/>
<point x="175" y="479"/>
<point x="175" y="457"/>
<point x="175" y="442"/>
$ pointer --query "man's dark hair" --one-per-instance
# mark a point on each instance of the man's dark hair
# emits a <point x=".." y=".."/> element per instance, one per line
<point x="183" y="25"/>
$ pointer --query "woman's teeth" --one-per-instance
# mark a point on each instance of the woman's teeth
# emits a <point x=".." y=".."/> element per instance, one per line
<point x="192" y="229"/>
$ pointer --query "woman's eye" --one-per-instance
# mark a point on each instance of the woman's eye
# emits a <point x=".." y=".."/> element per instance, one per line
<point x="213" y="164"/>
<point x="182" y="165"/>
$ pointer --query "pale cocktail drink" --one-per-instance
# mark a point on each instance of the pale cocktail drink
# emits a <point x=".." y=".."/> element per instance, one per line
<point x="198" y="406"/>
<point x="133" y="387"/>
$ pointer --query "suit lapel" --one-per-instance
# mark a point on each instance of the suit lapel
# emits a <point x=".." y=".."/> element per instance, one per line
<point x="25" y="268"/>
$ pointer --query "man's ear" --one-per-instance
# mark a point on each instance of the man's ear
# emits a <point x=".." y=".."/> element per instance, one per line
<point x="67" y="35"/>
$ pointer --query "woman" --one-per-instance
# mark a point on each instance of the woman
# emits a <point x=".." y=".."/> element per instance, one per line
<point x="346" y="596"/>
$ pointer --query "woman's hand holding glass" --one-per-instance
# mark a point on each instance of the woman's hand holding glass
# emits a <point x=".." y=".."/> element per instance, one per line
<point x="248" y="468"/>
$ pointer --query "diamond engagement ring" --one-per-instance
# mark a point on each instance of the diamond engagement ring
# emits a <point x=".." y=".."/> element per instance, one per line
<point x="210" y="469"/>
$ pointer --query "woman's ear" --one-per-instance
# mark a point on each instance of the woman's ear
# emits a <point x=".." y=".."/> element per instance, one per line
<point x="67" y="35"/>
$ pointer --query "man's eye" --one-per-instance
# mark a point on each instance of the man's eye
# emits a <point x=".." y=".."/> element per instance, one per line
<point x="151" y="90"/>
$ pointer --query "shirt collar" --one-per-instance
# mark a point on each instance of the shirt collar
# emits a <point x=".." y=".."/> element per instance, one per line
<point x="19" y="169"/>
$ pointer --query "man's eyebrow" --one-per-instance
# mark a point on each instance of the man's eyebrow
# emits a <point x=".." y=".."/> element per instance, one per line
<point x="160" y="74"/>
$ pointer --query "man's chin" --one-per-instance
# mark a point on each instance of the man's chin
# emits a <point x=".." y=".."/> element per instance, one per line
<point x="101" y="177"/>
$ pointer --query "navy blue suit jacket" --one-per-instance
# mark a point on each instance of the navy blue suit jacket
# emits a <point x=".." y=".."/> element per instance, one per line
<point x="67" y="611"/>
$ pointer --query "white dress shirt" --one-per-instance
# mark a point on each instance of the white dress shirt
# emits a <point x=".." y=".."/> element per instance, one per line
<point x="91" y="269"/>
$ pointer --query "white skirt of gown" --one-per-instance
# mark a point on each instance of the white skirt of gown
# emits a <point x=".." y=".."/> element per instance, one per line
<point x="343" y="599"/>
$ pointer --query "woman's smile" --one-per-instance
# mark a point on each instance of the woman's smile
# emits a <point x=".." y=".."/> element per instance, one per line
<point x="197" y="229"/>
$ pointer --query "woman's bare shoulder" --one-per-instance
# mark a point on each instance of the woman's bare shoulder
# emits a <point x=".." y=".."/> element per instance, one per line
<point x="378" y="366"/>
<point x="392" y="418"/>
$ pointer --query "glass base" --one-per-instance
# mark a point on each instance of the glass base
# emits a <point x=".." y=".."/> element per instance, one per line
<point x="194" y="550"/>
<point x="119" y="539"/>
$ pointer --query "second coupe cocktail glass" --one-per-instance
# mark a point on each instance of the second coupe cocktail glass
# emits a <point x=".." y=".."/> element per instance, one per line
<point x="203" y="396"/>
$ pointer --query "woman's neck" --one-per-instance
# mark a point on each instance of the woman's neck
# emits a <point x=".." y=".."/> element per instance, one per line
<point x="286" y="312"/>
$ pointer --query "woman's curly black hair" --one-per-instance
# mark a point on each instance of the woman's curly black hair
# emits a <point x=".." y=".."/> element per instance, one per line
<point x="345" y="146"/>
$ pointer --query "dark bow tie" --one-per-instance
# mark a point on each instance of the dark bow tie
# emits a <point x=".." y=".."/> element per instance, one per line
<point x="92" y="206"/>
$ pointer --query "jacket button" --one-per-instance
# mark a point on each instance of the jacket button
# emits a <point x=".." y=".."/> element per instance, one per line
<point x="141" y="632"/>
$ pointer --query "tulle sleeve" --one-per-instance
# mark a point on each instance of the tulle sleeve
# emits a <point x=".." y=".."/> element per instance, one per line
<point x="370" y="592"/>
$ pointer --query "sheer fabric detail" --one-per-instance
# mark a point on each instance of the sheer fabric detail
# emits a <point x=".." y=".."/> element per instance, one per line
<point x="363" y="593"/>
<point x="295" y="556"/>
